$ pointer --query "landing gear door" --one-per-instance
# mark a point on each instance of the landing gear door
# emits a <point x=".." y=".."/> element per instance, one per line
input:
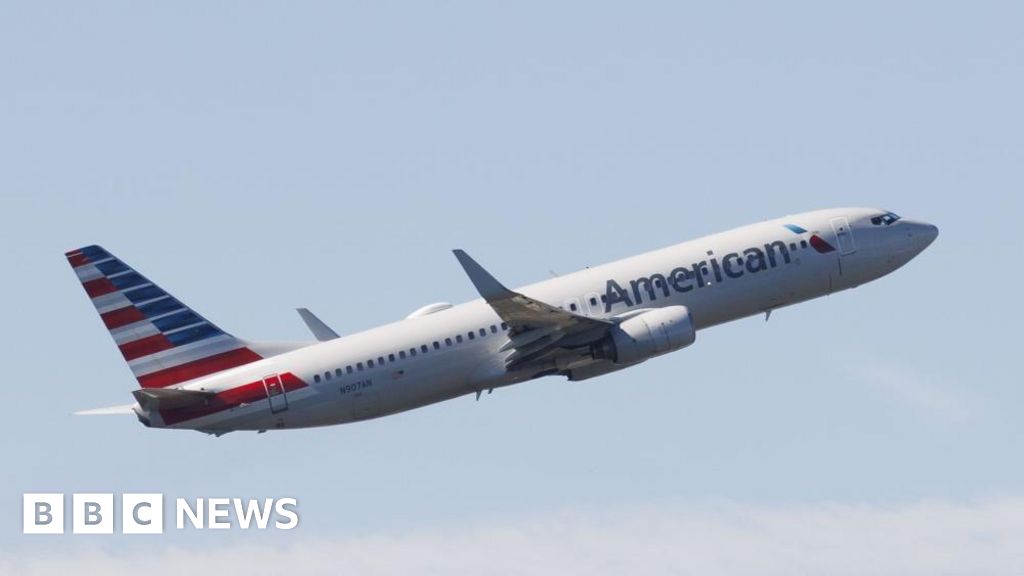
<point x="844" y="235"/>
<point x="275" y="393"/>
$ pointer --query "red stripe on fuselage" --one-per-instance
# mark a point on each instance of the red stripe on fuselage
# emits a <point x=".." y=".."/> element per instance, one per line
<point x="245" y="394"/>
<point x="197" y="368"/>
<point x="99" y="287"/>
<point x="122" y="317"/>
<point x="145" y="346"/>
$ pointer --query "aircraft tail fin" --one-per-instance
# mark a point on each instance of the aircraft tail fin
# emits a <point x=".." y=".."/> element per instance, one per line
<point x="163" y="341"/>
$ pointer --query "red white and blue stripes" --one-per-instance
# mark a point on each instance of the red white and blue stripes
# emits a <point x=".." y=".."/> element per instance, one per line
<point x="817" y="242"/>
<point x="163" y="341"/>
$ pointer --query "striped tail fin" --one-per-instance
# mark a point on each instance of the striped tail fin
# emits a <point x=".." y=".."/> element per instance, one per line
<point x="163" y="341"/>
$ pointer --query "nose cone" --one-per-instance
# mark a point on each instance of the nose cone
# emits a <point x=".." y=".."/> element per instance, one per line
<point x="926" y="233"/>
<point x="921" y="234"/>
<point x="931" y="232"/>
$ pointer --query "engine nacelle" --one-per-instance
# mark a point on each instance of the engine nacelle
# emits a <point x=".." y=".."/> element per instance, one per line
<point x="594" y="369"/>
<point x="647" y="335"/>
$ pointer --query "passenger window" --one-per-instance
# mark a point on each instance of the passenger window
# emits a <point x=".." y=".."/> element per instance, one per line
<point x="494" y="329"/>
<point x="369" y="363"/>
<point x="327" y="375"/>
<point x="316" y="378"/>
<point x="380" y="360"/>
<point x="412" y="351"/>
<point x="803" y="243"/>
<point x="437" y="345"/>
<point x="447" y="341"/>
<point x="391" y="357"/>
<point x="401" y="354"/>
<point x="423" y="348"/>
<point x="504" y="326"/>
<point x="359" y="366"/>
<point x="593" y="301"/>
<point x="348" y="369"/>
<point x="338" y="372"/>
<point x="471" y="335"/>
<point x="483" y="332"/>
<point x="572" y="306"/>
<point x="458" y="338"/>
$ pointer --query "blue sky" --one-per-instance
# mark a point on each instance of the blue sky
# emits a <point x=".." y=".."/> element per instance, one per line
<point x="252" y="158"/>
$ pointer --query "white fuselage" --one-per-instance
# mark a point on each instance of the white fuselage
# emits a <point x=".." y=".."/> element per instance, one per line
<point x="719" y="278"/>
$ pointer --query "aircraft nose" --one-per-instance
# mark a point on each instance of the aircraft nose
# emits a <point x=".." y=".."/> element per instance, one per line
<point x="931" y="232"/>
<point x="922" y="234"/>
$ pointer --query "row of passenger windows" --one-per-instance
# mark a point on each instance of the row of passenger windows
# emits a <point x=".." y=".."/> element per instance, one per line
<point x="593" y="302"/>
<point x="411" y="353"/>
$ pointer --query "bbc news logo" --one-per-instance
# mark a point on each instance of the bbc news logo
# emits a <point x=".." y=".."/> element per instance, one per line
<point x="94" y="513"/>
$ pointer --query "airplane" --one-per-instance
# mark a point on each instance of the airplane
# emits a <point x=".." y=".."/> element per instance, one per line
<point x="193" y="375"/>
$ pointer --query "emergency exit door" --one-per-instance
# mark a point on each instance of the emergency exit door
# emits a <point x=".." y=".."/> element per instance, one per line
<point x="844" y="235"/>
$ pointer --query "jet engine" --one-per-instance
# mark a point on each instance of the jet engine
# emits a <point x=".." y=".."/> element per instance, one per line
<point x="647" y="335"/>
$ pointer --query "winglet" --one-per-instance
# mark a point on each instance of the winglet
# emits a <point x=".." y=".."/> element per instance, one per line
<point x="485" y="284"/>
<point x="321" y="331"/>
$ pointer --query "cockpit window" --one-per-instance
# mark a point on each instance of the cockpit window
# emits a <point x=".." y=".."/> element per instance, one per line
<point x="886" y="219"/>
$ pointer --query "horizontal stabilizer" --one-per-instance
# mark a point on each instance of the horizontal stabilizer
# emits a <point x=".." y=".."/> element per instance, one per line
<point x="124" y="409"/>
<point x="170" y="398"/>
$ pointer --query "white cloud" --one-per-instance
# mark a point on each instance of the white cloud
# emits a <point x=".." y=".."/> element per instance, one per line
<point x="724" y="539"/>
<point x="926" y="393"/>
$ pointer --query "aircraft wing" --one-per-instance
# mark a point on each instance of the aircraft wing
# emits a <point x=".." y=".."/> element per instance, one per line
<point x="537" y="330"/>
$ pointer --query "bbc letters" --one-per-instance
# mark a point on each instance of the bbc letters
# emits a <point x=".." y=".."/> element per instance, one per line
<point x="96" y="513"/>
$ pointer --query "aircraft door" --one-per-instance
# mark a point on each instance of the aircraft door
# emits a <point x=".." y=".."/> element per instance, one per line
<point x="844" y="236"/>
<point x="275" y="393"/>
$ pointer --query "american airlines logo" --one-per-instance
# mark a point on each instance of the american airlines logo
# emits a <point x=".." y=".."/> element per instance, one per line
<point x="707" y="272"/>
<point x="95" y="513"/>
